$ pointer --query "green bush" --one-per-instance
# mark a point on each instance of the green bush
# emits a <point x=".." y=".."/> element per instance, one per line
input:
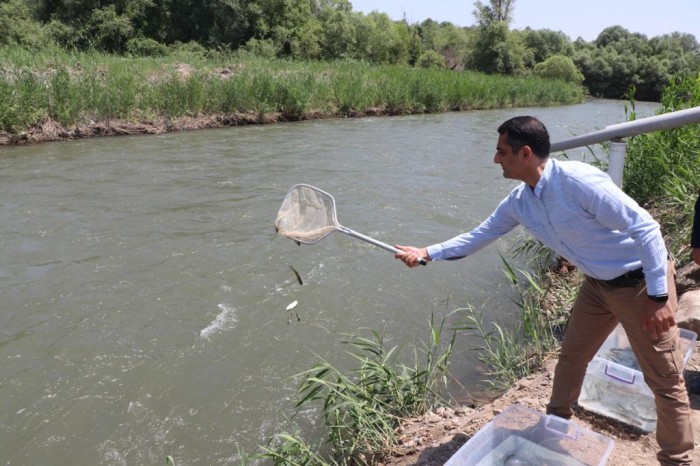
<point x="189" y="49"/>
<point x="362" y="407"/>
<point x="559" y="67"/>
<point x="264" y="48"/>
<point x="19" y="27"/>
<point x="145" y="47"/>
<point x="430" y="59"/>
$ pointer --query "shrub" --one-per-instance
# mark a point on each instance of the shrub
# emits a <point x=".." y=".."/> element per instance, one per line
<point x="263" y="48"/>
<point x="430" y="59"/>
<point x="145" y="47"/>
<point x="559" y="67"/>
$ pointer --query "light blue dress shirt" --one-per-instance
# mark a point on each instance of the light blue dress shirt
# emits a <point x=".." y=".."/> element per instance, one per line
<point x="576" y="210"/>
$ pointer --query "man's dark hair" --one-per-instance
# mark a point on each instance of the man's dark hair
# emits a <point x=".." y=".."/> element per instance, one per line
<point x="526" y="131"/>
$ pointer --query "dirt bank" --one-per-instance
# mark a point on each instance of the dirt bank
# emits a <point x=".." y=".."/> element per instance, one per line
<point x="433" y="439"/>
<point x="50" y="130"/>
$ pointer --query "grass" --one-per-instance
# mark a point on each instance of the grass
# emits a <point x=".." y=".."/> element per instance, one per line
<point x="363" y="407"/>
<point x="80" y="88"/>
<point x="513" y="353"/>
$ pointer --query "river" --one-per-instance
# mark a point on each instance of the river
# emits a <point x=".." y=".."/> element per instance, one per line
<point x="143" y="290"/>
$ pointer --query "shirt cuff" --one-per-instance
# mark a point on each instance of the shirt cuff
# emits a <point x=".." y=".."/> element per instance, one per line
<point x="435" y="252"/>
<point x="656" y="285"/>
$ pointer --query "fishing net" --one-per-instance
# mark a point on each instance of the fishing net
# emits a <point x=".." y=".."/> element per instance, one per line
<point x="307" y="214"/>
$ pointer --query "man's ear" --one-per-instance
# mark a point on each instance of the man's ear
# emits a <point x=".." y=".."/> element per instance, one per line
<point x="527" y="152"/>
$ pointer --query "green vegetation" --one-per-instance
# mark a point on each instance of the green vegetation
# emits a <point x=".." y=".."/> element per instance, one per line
<point x="662" y="169"/>
<point x="362" y="408"/>
<point x="83" y="87"/>
<point x="328" y="30"/>
<point x="513" y="353"/>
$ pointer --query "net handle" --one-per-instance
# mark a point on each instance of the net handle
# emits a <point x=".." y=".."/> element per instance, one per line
<point x="348" y="231"/>
<point x="373" y="241"/>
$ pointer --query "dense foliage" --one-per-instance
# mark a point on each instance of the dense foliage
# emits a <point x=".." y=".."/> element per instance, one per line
<point x="330" y="29"/>
<point x="662" y="169"/>
<point x="82" y="88"/>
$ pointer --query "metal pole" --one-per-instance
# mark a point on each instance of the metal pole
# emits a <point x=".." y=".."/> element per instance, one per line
<point x="632" y="128"/>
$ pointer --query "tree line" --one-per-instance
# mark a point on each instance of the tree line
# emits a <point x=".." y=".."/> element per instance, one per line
<point x="609" y="66"/>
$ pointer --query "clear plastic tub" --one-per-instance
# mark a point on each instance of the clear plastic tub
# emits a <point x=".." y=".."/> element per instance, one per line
<point x="524" y="437"/>
<point x="614" y="385"/>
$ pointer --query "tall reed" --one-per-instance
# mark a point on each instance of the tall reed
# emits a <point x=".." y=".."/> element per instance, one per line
<point x="79" y="88"/>
<point x="361" y="408"/>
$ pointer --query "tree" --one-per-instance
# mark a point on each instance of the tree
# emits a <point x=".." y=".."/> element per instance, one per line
<point x="430" y="59"/>
<point x="110" y="30"/>
<point x="544" y="43"/>
<point x="498" y="50"/>
<point x="19" y="26"/>
<point x="495" y="12"/>
<point x="338" y="37"/>
<point x="380" y="40"/>
<point x="454" y="43"/>
<point x="619" y="59"/>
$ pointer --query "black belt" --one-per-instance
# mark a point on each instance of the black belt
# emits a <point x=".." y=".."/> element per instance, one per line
<point x="631" y="279"/>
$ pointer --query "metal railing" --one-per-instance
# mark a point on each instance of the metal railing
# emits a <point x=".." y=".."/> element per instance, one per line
<point x="616" y="133"/>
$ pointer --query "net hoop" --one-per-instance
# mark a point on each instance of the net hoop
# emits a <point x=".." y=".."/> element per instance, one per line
<point x="307" y="214"/>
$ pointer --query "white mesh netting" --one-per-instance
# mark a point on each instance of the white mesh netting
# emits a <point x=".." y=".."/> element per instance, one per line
<point x="307" y="214"/>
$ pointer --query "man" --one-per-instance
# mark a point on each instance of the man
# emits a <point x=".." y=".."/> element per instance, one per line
<point x="576" y="210"/>
<point x="695" y="235"/>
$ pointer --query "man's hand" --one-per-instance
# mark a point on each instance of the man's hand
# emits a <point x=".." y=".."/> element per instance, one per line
<point x="658" y="318"/>
<point x="411" y="256"/>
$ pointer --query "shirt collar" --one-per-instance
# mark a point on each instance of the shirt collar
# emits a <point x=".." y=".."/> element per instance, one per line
<point x="544" y="179"/>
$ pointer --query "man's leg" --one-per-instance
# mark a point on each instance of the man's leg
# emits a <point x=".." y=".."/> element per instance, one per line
<point x="661" y="362"/>
<point x="589" y="325"/>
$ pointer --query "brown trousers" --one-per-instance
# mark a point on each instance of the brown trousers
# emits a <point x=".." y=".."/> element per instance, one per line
<point x="596" y="312"/>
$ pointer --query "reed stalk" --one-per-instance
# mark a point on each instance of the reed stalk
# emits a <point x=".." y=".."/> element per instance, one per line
<point x="75" y="88"/>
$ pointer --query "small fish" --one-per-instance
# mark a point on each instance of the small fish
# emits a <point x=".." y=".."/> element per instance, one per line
<point x="297" y="275"/>
<point x="512" y="461"/>
<point x="292" y="305"/>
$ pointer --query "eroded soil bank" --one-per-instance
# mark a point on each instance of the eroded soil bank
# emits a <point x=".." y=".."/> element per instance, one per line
<point x="433" y="439"/>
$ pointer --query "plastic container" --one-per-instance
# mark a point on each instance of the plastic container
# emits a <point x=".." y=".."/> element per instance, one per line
<point x="525" y="437"/>
<point x="614" y="385"/>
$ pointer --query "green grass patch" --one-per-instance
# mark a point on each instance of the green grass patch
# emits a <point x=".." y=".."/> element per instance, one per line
<point x="361" y="408"/>
<point x="78" y="88"/>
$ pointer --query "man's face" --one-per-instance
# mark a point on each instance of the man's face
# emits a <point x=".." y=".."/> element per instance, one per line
<point x="511" y="162"/>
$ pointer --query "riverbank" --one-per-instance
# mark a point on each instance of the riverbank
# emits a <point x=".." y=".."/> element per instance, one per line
<point x="50" y="130"/>
<point x="47" y="98"/>
<point x="435" y="437"/>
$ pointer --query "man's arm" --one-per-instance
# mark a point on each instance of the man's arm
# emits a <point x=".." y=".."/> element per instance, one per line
<point x="498" y="224"/>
